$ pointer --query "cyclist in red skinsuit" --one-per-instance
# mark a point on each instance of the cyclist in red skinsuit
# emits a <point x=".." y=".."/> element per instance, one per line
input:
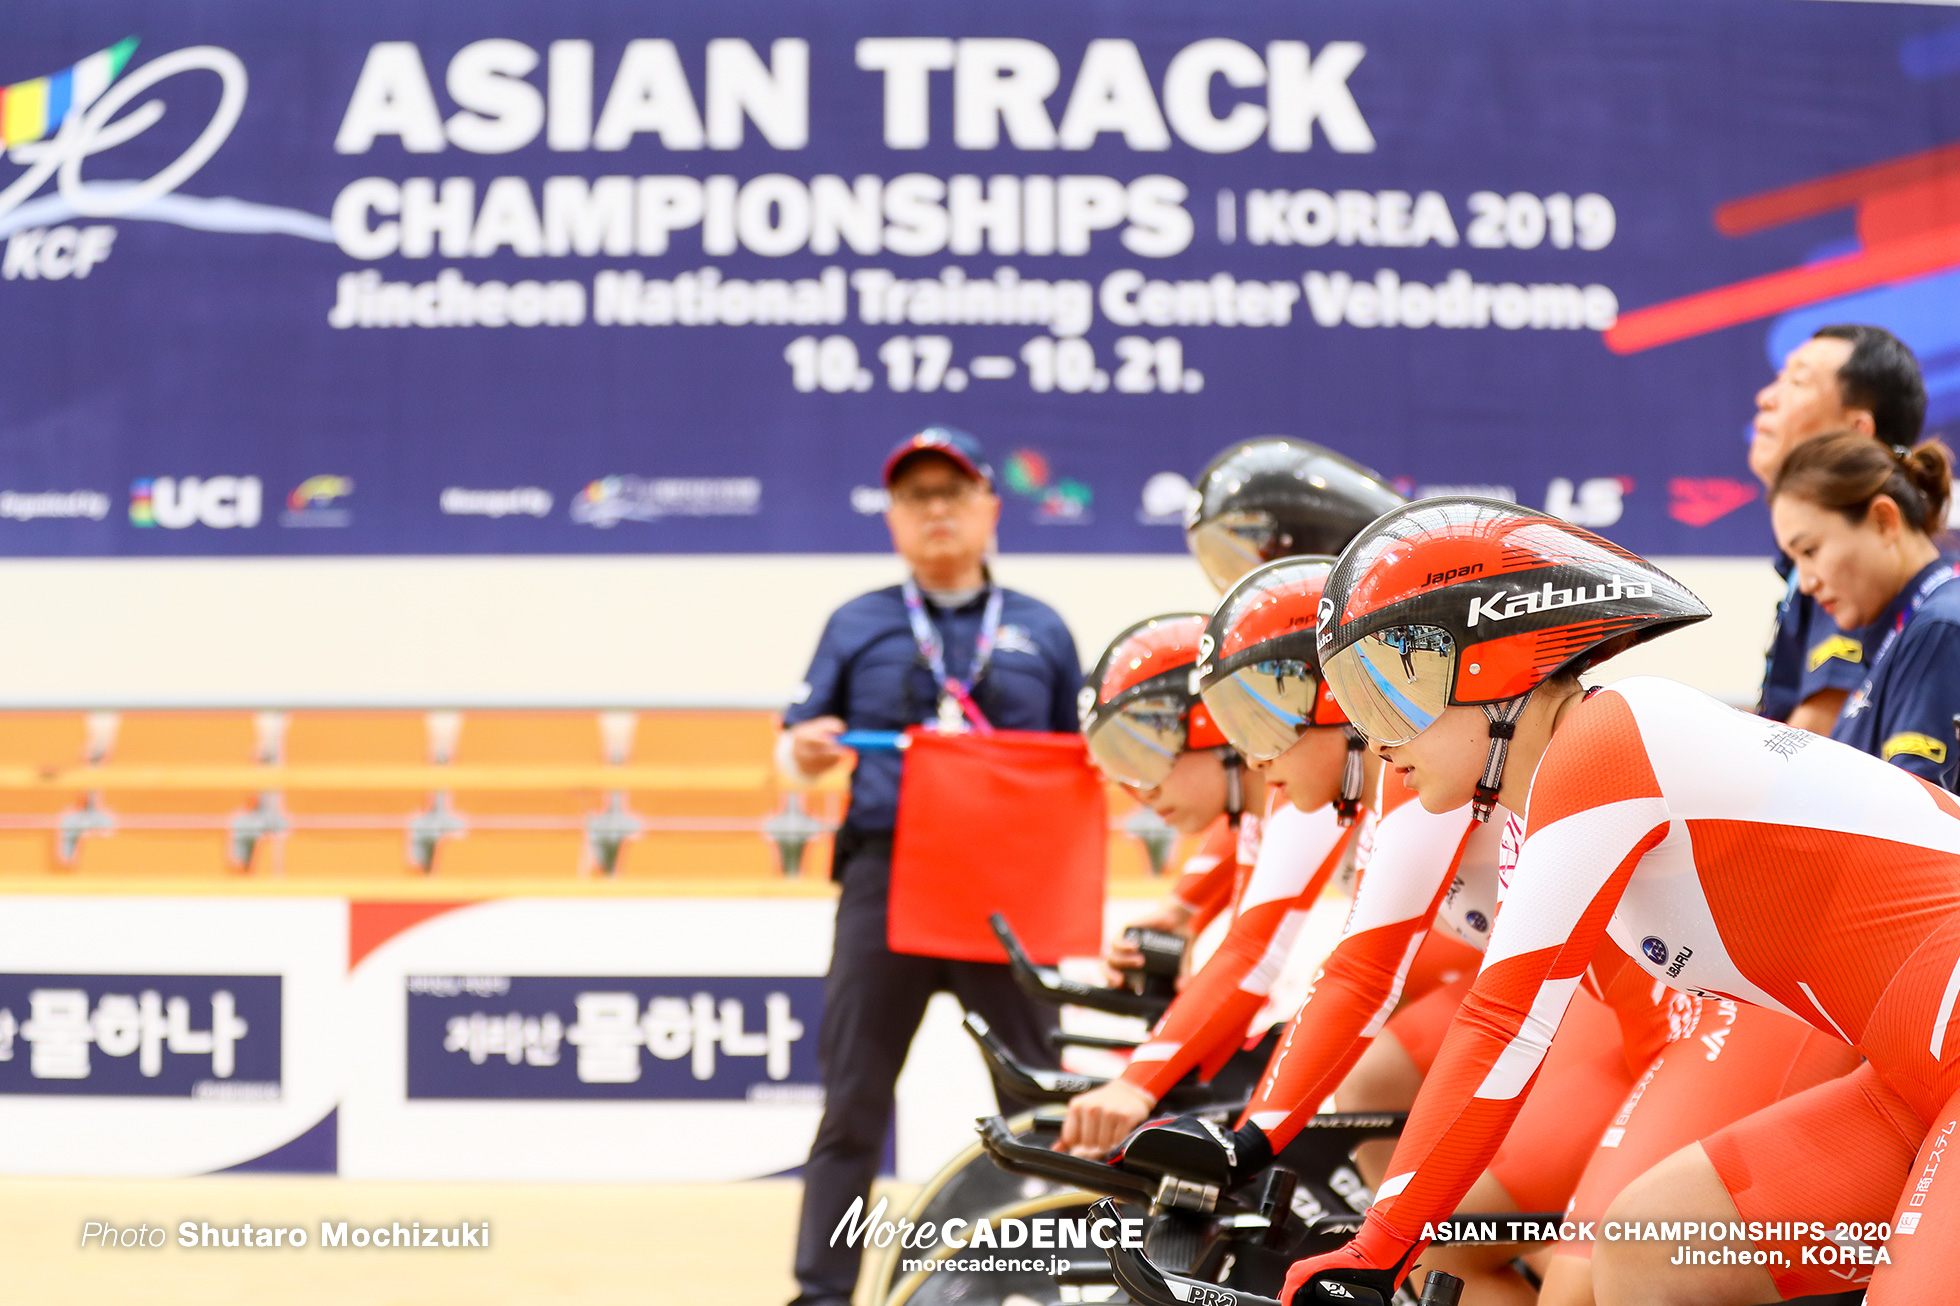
<point x="1325" y="778"/>
<point x="1258" y="500"/>
<point x="1740" y="859"/>
<point x="1680" y="1068"/>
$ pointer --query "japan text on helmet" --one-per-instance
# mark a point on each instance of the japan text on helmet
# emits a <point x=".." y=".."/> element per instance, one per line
<point x="1276" y="497"/>
<point x="1477" y="602"/>
<point x="1138" y="712"/>
<point x="1260" y="674"/>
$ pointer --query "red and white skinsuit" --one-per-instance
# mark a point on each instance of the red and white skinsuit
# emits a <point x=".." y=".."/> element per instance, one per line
<point x="1740" y="860"/>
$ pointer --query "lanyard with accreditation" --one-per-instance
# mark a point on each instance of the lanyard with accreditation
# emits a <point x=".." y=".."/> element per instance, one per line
<point x="992" y="821"/>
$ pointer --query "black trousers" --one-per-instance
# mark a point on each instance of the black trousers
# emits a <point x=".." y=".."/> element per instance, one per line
<point x="874" y="999"/>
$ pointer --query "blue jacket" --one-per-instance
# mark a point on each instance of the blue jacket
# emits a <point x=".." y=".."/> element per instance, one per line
<point x="1904" y="711"/>
<point x="868" y="670"/>
<point x="1808" y="652"/>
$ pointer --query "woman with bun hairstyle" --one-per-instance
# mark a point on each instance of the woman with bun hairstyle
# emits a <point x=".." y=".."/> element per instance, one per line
<point x="1859" y="519"/>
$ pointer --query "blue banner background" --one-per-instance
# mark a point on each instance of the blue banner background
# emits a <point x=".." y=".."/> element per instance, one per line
<point x="189" y="352"/>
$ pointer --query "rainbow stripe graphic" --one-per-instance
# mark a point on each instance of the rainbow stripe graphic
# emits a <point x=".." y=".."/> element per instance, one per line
<point x="34" y="109"/>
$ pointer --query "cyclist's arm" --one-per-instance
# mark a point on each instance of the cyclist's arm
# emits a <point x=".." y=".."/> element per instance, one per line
<point x="1596" y="810"/>
<point x="1207" y="1022"/>
<point x="1414" y="861"/>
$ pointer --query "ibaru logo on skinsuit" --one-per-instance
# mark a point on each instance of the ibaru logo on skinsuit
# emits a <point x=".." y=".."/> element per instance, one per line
<point x="220" y="502"/>
<point x="1655" y="949"/>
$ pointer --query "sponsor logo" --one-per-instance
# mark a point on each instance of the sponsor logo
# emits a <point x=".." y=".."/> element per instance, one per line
<point x="1015" y="639"/>
<point x="69" y="117"/>
<point x="1837" y="646"/>
<point x="220" y="502"/>
<point x="1915" y="744"/>
<point x="1168" y="500"/>
<point x="1503" y="605"/>
<point x="1655" y="950"/>
<point x="1409" y="488"/>
<point x="1680" y="960"/>
<point x="523" y="501"/>
<point x="1595" y="503"/>
<point x="1085" y="703"/>
<point x="1478" y="921"/>
<point x="200" y="1036"/>
<point x="1454" y="573"/>
<point x="615" y="499"/>
<point x="312" y="502"/>
<point x="1697" y="501"/>
<point x="542" y="1038"/>
<point x="870" y="500"/>
<point x="1063" y="502"/>
<point x="17" y="505"/>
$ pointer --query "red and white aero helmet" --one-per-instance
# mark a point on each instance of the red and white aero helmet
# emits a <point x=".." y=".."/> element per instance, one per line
<point x="1137" y="711"/>
<point x="1261" y="675"/>
<point x="1467" y="601"/>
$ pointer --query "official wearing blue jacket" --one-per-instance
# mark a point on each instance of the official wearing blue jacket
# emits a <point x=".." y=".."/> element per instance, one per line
<point x="1853" y="378"/>
<point x="1859" y="521"/>
<point x="945" y="644"/>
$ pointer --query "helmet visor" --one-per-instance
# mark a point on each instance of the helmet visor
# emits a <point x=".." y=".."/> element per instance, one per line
<point x="1138" y="743"/>
<point x="1394" y="683"/>
<point x="1231" y="544"/>
<point x="1262" y="707"/>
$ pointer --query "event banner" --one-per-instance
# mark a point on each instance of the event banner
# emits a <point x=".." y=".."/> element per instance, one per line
<point x="386" y="278"/>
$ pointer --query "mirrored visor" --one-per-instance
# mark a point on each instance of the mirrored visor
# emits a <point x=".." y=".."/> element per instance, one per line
<point x="1394" y="683"/>
<point x="1230" y="545"/>
<point x="1139" y="742"/>
<point x="1263" y="707"/>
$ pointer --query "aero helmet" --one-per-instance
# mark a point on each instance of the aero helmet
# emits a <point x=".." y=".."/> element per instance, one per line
<point x="1477" y="602"/>
<point x="1138" y="710"/>
<point x="1260" y="675"/>
<point x="1277" y="497"/>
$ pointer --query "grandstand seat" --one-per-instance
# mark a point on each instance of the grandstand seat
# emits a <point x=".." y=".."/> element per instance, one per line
<point x="29" y="840"/>
<point x="142" y="841"/>
<point x="352" y="832"/>
<point x="707" y="739"/>
<point x="495" y="841"/>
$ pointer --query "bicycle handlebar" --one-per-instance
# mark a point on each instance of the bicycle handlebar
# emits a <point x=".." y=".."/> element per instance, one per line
<point x="1010" y="1153"/>
<point x="1149" y="1286"/>
<point x="1027" y="1083"/>
<point x="1046" y="984"/>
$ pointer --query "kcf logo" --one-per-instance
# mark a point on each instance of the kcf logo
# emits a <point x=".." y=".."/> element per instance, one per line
<point x="174" y="503"/>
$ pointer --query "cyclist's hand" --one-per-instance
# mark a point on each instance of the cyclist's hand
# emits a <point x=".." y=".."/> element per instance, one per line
<point x="1103" y="1117"/>
<point x="1374" y="1258"/>
<point x="814" y="746"/>
<point x="1172" y="917"/>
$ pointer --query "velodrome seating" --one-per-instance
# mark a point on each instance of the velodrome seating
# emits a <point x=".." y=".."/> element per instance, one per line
<point x="124" y="807"/>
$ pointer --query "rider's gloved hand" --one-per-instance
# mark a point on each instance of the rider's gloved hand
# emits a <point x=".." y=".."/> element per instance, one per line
<point x="1103" y="1117"/>
<point x="1377" y="1258"/>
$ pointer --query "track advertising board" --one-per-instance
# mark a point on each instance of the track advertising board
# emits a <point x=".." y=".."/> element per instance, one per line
<point x="361" y="279"/>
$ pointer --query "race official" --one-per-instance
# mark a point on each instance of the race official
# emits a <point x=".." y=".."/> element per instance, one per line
<point x="1844" y="378"/>
<point x="946" y="645"/>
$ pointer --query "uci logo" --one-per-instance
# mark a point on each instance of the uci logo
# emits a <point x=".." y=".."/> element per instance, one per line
<point x="221" y="502"/>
